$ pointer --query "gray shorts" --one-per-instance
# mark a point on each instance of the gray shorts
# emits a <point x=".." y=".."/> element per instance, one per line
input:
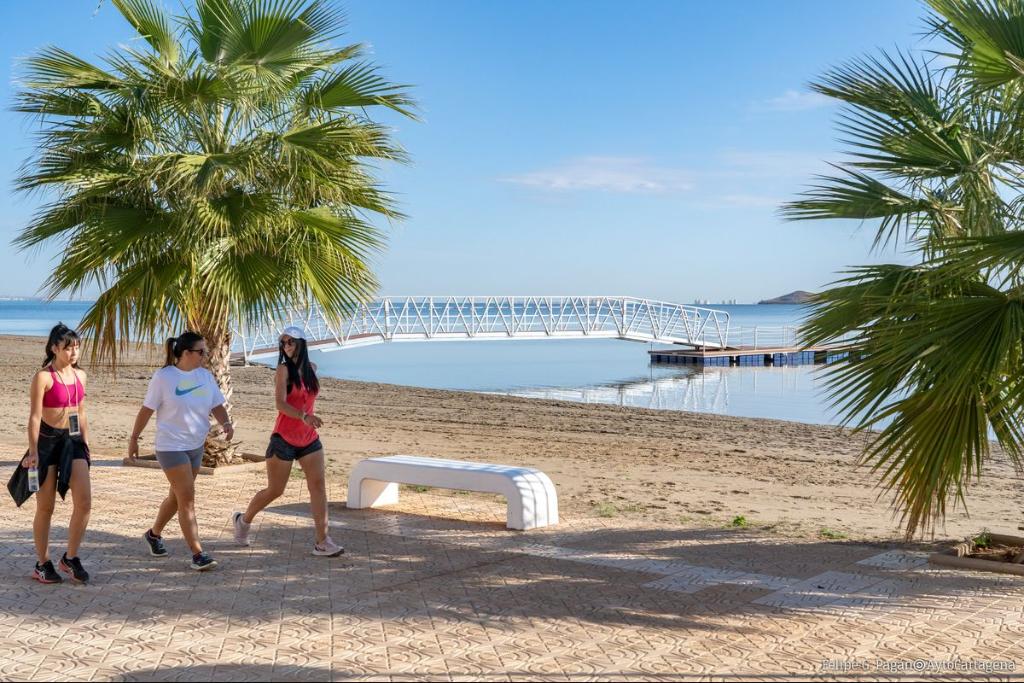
<point x="169" y="459"/>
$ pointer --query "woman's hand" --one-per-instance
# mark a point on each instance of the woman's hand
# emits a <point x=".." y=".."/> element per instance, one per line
<point x="229" y="431"/>
<point x="133" y="448"/>
<point x="313" y="421"/>
<point x="30" y="460"/>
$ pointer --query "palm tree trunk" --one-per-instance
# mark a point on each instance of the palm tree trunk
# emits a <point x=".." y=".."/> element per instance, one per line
<point x="218" y="344"/>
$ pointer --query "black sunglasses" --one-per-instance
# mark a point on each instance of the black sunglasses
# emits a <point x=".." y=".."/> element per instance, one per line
<point x="201" y="352"/>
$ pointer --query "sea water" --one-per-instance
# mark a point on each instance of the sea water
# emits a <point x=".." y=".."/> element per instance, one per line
<point x="588" y="370"/>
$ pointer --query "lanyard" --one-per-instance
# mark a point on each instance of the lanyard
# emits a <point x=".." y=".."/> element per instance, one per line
<point x="67" y="392"/>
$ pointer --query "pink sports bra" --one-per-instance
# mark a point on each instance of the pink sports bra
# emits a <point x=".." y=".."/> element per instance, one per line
<point x="61" y="395"/>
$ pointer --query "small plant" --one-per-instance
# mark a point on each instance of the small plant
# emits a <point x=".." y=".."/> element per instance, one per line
<point x="606" y="510"/>
<point x="418" y="488"/>
<point x="983" y="540"/>
<point x="834" y="535"/>
<point x="739" y="521"/>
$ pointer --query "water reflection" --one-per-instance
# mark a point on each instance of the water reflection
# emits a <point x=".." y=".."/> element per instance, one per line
<point x="786" y="393"/>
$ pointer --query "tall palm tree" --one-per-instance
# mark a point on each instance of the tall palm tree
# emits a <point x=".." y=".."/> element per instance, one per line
<point x="936" y="157"/>
<point x="214" y="174"/>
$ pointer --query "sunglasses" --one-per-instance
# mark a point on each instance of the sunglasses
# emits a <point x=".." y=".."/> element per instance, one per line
<point x="201" y="352"/>
<point x="287" y="342"/>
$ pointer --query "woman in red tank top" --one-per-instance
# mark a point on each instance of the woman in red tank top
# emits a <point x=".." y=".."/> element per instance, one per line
<point x="294" y="439"/>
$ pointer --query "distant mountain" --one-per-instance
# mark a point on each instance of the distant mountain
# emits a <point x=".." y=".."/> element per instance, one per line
<point x="797" y="297"/>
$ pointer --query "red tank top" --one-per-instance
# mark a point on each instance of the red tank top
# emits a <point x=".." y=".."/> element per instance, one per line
<point x="292" y="429"/>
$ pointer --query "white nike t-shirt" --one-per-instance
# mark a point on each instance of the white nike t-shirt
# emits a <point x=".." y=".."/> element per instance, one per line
<point x="182" y="401"/>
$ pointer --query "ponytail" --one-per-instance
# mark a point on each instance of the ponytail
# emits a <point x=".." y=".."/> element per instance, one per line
<point x="169" y="351"/>
<point x="175" y="346"/>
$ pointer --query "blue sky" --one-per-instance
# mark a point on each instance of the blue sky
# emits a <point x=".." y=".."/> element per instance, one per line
<point x="571" y="147"/>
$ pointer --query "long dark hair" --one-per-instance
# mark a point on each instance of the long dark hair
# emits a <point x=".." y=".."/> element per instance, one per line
<point x="308" y="379"/>
<point x="176" y="346"/>
<point x="63" y="336"/>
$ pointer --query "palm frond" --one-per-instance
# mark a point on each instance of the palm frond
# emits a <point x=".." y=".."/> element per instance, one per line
<point x="930" y="352"/>
<point x="859" y="196"/>
<point x="988" y="34"/>
<point x="152" y="24"/>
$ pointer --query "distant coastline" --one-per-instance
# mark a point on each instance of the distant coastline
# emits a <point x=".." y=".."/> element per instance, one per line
<point x="797" y="297"/>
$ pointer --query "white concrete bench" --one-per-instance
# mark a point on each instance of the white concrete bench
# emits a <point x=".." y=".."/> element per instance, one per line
<point x="532" y="500"/>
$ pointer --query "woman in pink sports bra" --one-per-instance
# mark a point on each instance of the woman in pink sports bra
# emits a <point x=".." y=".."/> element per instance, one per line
<point x="58" y="444"/>
<point x="294" y="439"/>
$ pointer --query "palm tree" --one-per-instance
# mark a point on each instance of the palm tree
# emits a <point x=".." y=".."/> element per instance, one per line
<point x="936" y="157"/>
<point x="215" y="175"/>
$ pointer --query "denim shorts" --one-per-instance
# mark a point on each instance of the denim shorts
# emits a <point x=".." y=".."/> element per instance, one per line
<point x="283" y="450"/>
<point x="169" y="459"/>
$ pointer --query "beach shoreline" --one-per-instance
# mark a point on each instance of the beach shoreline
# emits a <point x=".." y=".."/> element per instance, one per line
<point x="669" y="467"/>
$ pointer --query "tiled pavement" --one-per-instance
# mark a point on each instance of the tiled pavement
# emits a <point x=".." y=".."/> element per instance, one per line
<point x="436" y="588"/>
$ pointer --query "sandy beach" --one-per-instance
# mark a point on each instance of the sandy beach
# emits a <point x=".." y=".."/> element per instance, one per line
<point x="670" y="468"/>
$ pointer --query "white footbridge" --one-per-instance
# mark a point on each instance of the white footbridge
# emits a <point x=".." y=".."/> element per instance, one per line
<point x="463" y="318"/>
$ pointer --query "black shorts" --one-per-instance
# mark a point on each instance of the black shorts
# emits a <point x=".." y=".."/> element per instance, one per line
<point x="283" y="450"/>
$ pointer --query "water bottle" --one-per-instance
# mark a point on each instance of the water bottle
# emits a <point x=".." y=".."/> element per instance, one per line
<point x="33" y="479"/>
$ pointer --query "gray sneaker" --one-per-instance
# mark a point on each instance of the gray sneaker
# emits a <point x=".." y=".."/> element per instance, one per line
<point x="327" y="549"/>
<point x="241" y="529"/>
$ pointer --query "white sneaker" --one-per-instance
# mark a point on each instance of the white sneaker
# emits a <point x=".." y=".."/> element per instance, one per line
<point x="241" y="529"/>
<point x="328" y="548"/>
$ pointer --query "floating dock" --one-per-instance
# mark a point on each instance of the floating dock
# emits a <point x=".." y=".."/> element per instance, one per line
<point x="749" y="355"/>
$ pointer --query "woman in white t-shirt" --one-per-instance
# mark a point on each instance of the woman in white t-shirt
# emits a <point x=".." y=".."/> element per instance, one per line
<point x="182" y="394"/>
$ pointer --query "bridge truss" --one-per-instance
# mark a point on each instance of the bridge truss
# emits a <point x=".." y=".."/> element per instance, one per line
<point x="447" y="318"/>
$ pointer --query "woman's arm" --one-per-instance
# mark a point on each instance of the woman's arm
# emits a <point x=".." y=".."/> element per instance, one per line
<point x="35" y="417"/>
<point x="221" y="413"/>
<point x="83" y="422"/>
<point x="281" y="394"/>
<point x="141" y="420"/>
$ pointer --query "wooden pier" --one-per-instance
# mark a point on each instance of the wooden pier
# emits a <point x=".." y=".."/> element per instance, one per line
<point x="750" y="355"/>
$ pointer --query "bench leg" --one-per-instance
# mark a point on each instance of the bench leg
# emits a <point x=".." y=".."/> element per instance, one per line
<point x="534" y="504"/>
<point x="368" y="493"/>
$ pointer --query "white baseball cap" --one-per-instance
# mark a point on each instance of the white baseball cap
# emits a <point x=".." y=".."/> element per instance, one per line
<point x="294" y="331"/>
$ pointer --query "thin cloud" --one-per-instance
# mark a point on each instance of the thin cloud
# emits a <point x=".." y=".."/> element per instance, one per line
<point x="796" y="100"/>
<point x="772" y="163"/>
<point x="607" y="174"/>
<point x="750" y="200"/>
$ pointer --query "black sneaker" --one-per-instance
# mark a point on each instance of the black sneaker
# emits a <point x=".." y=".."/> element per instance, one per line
<point x="155" y="543"/>
<point x="73" y="566"/>
<point x="45" y="573"/>
<point x="202" y="562"/>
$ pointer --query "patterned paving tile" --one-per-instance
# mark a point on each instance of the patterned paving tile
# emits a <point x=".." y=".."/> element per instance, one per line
<point x="896" y="559"/>
<point x="437" y="589"/>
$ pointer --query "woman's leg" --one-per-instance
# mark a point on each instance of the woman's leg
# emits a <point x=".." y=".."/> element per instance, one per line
<point x="182" y="478"/>
<point x="168" y="508"/>
<point x="45" y="497"/>
<point x="278" y="471"/>
<point x="313" y="467"/>
<point x="81" y="494"/>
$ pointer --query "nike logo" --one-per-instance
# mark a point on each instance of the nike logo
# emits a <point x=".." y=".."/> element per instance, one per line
<point x="180" y="392"/>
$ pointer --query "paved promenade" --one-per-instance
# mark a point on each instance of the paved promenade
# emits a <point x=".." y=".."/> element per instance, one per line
<point x="436" y="588"/>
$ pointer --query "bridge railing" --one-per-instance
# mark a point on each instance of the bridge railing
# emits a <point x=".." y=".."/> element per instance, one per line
<point x="493" y="317"/>
<point x="764" y="336"/>
<point x="771" y="337"/>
